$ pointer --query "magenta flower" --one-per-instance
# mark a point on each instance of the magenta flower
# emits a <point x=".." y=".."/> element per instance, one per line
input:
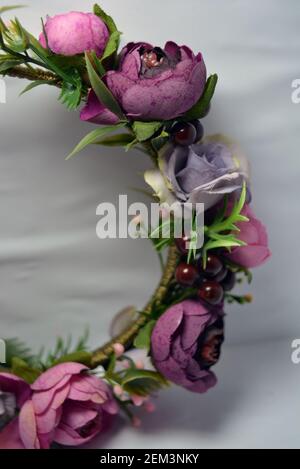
<point x="151" y="83"/>
<point x="255" y="235"/>
<point x="65" y="405"/>
<point x="186" y="343"/>
<point x="74" y="33"/>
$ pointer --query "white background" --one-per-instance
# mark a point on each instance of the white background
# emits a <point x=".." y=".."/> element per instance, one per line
<point x="56" y="277"/>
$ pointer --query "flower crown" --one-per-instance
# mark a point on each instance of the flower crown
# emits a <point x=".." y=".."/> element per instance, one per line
<point x="151" y="99"/>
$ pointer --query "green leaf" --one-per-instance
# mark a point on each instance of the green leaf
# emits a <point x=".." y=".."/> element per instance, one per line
<point x="143" y="339"/>
<point x="16" y="348"/>
<point x="5" y="66"/>
<point x="97" y="64"/>
<point x="200" y="108"/>
<point x="77" y="357"/>
<point x="71" y="93"/>
<point x="34" y="84"/>
<point x="145" y="130"/>
<point x="95" y="135"/>
<point x="112" y="45"/>
<point x="142" y="382"/>
<point x="118" y="140"/>
<point x="103" y="93"/>
<point x="11" y="7"/>
<point x="106" y="18"/>
<point x="23" y="370"/>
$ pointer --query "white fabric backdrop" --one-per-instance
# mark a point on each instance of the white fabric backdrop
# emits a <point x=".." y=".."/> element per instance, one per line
<point x="57" y="277"/>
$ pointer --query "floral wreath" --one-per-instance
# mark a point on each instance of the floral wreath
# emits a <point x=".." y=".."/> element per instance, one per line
<point x="155" y="99"/>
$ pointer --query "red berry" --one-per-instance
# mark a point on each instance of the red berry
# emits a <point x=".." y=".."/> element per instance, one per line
<point x="213" y="266"/>
<point x="181" y="244"/>
<point x="185" y="134"/>
<point x="186" y="274"/>
<point x="199" y="130"/>
<point x="211" y="292"/>
<point x="229" y="281"/>
<point x="221" y="275"/>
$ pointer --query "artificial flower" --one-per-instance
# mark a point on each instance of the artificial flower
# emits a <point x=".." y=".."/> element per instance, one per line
<point x="74" y="33"/>
<point x="186" y="343"/>
<point x="254" y="234"/>
<point x="151" y="83"/>
<point x="202" y="173"/>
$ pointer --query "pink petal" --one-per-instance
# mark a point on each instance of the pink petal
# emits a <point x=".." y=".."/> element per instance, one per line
<point x="15" y="385"/>
<point x="54" y="397"/>
<point x="54" y="375"/>
<point x="9" y="436"/>
<point x="96" y="112"/>
<point x="163" y="331"/>
<point x="27" y="426"/>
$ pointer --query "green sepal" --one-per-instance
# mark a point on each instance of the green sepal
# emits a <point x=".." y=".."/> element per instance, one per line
<point x="199" y="110"/>
<point x="143" y="339"/>
<point x="112" y="45"/>
<point x="108" y="20"/>
<point x="24" y="370"/>
<point x="71" y="92"/>
<point x="145" y="130"/>
<point x="9" y="8"/>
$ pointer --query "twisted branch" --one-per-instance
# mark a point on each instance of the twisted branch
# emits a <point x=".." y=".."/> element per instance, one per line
<point x="101" y="355"/>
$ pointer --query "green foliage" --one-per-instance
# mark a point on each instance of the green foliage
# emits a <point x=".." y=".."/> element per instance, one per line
<point x="118" y="140"/>
<point x="112" y="46"/>
<point x="71" y="92"/>
<point x="22" y="369"/>
<point x="221" y="233"/>
<point x="16" y="348"/>
<point x="35" y="84"/>
<point x="200" y="109"/>
<point x="95" y="136"/>
<point x="65" y="351"/>
<point x="111" y="25"/>
<point x="103" y="93"/>
<point x="241" y="300"/>
<point x="143" y="339"/>
<point x="145" y="130"/>
<point x="10" y="7"/>
<point x="142" y="382"/>
<point x="78" y="357"/>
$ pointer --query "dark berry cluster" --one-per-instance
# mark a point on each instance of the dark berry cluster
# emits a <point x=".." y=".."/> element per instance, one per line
<point x="187" y="133"/>
<point x="211" y="282"/>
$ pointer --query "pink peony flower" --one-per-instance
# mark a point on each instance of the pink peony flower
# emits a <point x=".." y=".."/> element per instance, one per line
<point x="65" y="405"/>
<point x="74" y="33"/>
<point x="255" y="235"/>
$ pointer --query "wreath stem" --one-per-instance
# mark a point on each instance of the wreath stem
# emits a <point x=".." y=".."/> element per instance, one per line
<point x="101" y="355"/>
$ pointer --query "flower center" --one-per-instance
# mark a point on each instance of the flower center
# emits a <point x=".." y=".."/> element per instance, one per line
<point x="151" y="59"/>
<point x="209" y="349"/>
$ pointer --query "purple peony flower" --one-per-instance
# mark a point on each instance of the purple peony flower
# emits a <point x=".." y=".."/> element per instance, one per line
<point x="152" y="83"/>
<point x="186" y="342"/>
<point x="201" y="173"/>
<point x="74" y="33"/>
